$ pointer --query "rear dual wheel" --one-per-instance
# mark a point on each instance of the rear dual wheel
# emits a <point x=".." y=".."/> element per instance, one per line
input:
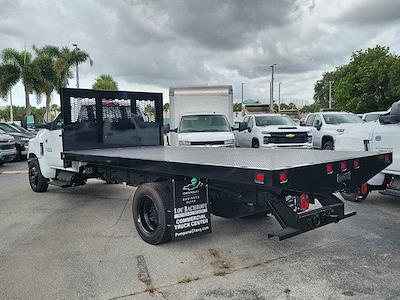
<point x="149" y="208"/>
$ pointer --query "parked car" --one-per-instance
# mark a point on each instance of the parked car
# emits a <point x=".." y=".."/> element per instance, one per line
<point x="326" y="126"/>
<point x="380" y="136"/>
<point x="272" y="131"/>
<point x="21" y="139"/>
<point x="7" y="148"/>
<point x="372" y="116"/>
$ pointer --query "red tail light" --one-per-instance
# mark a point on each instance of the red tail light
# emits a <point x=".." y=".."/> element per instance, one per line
<point x="260" y="178"/>
<point x="329" y="169"/>
<point x="343" y="166"/>
<point x="364" y="189"/>
<point x="283" y="177"/>
<point x="304" y="202"/>
<point x="356" y="164"/>
<point x="387" y="159"/>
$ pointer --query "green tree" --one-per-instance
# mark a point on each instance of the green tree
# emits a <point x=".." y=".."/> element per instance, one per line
<point x="321" y="89"/>
<point x="166" y="107"/>
<point x="63" y="60"/>
<point x="15" y="66"/>
<point x="369" y="82"/>
<point x="311" y="108"/>
<point x="284" y="106"/>
<point x="105" y="82"/>
<point x="48" y="80"/>
<point x="291" y="105"/>
<point x="237" y="107"/>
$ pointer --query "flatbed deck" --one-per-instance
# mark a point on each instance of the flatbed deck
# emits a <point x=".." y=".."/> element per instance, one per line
<point x="235" y="165"/>
<point x="247" y="158"/>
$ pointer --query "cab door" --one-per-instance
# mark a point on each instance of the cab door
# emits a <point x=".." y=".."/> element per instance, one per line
<point x="241" y="135"/>
<point x="317" y="133"/>
<point x="52" y="144"/>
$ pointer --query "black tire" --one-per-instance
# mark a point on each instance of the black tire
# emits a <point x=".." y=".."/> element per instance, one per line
<point x="255" y="143"/>
<point x="149" y="210"/>
<point x="353" y="196"/>
<point x="38" y="182"/>
<point x="328" y="145"/>
<point x="18" y="156"/>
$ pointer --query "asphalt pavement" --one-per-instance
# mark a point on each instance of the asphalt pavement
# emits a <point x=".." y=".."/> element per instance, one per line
<point x="80" y="243"/>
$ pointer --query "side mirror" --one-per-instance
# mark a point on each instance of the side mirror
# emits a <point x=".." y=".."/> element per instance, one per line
<point x="242" y="126"/>
<point x="165" y="129"/>
<point x="174" y="130"/>
<point x="302" y="123"/>
<point x="318" y="125"/>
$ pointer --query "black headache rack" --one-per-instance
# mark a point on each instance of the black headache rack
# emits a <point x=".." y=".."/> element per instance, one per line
<point x="118" y="134"/>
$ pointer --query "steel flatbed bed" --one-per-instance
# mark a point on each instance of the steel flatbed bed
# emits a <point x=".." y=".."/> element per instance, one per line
<point x="118" y="137"/>
<point x="229" y="165"/>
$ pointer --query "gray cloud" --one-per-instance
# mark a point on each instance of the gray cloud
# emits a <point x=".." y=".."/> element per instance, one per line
<point x="170" y="43"/>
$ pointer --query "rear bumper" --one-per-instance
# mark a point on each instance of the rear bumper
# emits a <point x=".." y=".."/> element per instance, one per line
<point x="332" y="211"/>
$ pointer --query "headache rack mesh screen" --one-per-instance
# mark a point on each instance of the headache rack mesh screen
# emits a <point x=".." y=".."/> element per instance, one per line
<point x="104" y="119"/>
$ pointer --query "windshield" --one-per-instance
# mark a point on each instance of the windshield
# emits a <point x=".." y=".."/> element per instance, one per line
<point x="341" y="118"/>
<point x="2" y="131"/>
<point x="274" y="120"/>
<point x="7" y="129"/>
<point x="372" y="117"/>
<point x="204" y="123"/>
<point x="19" y="128"/>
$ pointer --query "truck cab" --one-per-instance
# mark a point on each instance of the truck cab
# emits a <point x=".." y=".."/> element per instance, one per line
<point x="205" y="129"/>
<point x="326" y="126"/>
<point x="273" y="131"/>
<point x="379" y="136"/>
<point x="201" y="116"/>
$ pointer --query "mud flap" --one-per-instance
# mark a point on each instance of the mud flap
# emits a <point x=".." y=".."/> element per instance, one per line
<point x="191" y="209"/>
<point x="294" y="223"/>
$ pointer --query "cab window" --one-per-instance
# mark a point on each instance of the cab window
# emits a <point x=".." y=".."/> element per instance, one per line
<point x="310" y="120"/>
<point x="317" y="120"/>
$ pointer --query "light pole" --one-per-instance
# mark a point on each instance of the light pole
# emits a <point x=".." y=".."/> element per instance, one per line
<point x="11" y="108"/>
<point x="77" y="70"/>
<point x="279" y="96"/>
<point x="271" y="103"/>
<point x="242" y="93"/>
<point x="330" y="94"/>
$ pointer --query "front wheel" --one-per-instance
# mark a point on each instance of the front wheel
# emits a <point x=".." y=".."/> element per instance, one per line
<point x="328" y="145"/>
<point x="149" y="209"/>
<point x="38" y="182"/>
<point x="255" y="143"/>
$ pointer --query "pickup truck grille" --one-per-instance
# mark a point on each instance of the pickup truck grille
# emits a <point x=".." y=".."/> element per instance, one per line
<point x="207" y="143"/>
<point x="288" y="138"/>
<point x="7" y="147"/>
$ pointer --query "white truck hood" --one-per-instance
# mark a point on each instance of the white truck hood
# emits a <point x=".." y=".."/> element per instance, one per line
<point x="206" y="136"/>
<point x="280" y="128"/>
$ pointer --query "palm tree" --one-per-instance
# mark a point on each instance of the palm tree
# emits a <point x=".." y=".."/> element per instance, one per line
<point x="48" y="80"/>
<point x="105" y="82"/>
<point x="64" y="59"/>
<point x="18" y="65"/>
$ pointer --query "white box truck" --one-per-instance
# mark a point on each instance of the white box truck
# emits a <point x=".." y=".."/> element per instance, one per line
<point x="201" y="116"/>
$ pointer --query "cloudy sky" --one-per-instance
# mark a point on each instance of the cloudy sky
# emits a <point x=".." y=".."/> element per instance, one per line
<point x="151" y="45"/>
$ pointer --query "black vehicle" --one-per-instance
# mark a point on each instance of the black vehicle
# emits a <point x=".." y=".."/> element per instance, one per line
<point x="21" y="139"/>
<point x="180" y="187"/>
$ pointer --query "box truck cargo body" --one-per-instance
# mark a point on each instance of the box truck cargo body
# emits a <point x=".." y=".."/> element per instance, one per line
<point x="202" y="116"/>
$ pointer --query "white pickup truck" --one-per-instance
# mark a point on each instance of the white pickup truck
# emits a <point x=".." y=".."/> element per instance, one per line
<point x="272" y="131"/>
<point x="327" y="126"/>
<point x="381" y="135"/>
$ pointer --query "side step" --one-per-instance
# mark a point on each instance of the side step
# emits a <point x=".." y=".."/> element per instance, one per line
<point x="60" y="183"/>
<point x="66" y="179"/>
